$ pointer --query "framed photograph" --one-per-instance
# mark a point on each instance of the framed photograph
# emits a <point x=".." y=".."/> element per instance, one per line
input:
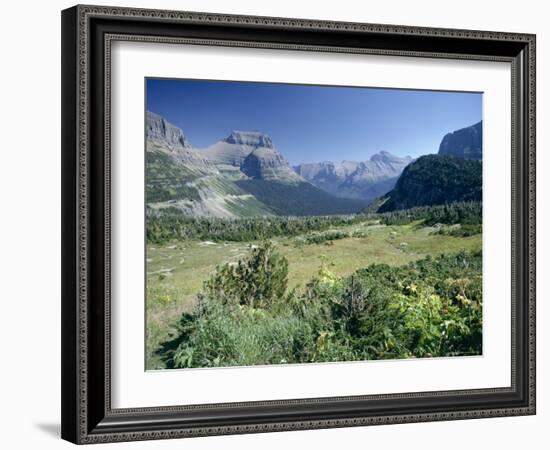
<point x="278" y="224"/>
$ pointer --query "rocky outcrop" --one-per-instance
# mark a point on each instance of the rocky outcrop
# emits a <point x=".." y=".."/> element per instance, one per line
<point x="268" y="164"/>
<point x="157" y="128"/>
<point x="166" y="138"/>
<point x="464" y="143"/>
<point x="236" y="147"/>
<point x="250" y="138"/>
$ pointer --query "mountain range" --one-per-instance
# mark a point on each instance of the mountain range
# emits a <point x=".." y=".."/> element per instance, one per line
<point x="352" y="179"/>
<point x="240" y="176"/>
<point x="245" y="175"/>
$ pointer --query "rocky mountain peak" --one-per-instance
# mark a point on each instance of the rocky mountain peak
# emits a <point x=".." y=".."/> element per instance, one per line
<point x="159" y="129"/>
<point x="250" y="138"/>
<point x="387" y="157"/>
<point x="464" y="143"/>
<point x="266" y="164"/>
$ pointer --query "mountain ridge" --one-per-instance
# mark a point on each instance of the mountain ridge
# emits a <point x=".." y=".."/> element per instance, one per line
<point x="245" y="175"/>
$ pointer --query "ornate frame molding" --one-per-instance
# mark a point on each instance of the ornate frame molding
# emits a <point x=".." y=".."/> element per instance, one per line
<point x="84" y="421"/>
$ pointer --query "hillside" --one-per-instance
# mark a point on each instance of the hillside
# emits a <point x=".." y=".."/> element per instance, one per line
<point x="299" y="199"/>
<point x="179" y="177"/>
<point x="434" y="180"/>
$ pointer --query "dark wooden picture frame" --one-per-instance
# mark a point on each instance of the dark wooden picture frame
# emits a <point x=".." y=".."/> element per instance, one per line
<point x="87" y="33"/>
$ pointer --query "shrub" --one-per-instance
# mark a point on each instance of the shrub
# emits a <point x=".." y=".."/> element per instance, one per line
<point x="258" y="281"/>
<point x="327" y="237"/>
<point x="461" y="231"/>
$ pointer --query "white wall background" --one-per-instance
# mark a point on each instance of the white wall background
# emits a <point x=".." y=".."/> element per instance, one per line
<point x="30" y="225"/>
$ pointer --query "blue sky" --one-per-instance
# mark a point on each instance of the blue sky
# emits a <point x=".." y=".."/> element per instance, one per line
<point x="315" y="123"/>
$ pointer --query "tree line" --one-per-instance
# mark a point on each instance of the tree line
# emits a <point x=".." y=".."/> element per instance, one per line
<point x="173" y="226"/>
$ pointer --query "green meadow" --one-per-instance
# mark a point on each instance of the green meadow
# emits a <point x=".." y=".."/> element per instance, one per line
<point x="178" y="269"/>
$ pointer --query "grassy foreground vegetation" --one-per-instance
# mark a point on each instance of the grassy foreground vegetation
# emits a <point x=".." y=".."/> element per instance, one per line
<point x="355" y="287"/>
<point x="246" y="315"/>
